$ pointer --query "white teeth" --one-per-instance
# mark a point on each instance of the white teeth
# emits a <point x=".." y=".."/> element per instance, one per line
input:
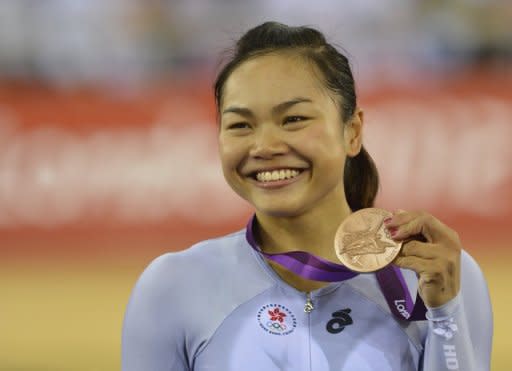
<point x="268" y="176"/>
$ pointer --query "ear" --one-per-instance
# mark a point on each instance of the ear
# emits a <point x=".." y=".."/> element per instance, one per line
<point x="353" y="133"/>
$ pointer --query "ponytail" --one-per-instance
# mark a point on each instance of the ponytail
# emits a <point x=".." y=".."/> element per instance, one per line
<point x="361" y="181"/>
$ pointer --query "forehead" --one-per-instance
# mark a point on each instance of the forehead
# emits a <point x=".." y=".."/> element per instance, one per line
<point x="273" y="78"/>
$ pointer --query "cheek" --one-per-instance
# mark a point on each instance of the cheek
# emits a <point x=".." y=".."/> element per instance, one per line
<point x="324" y="142"/>
<point x="230" y="155"/>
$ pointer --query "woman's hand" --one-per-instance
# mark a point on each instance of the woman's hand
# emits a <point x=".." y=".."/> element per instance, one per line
<point x="432" y="250"/>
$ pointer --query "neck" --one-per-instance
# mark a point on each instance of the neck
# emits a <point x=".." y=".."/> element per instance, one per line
<point x="312" y="232"/>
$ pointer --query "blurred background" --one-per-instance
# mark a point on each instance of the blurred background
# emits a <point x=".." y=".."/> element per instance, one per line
<point x="108" y="148"/>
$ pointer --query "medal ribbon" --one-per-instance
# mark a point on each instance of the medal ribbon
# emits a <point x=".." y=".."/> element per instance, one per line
<point x="306" y="265"/>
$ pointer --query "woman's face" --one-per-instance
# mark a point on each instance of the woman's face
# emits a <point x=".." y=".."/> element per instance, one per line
<point x="282" y="142"/>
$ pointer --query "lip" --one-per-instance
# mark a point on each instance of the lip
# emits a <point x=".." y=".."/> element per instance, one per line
<point x="276" y="184"/>
<point x="251" y="172"/>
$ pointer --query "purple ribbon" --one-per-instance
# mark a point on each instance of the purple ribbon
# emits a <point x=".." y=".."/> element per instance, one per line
<point x="390" y="278"/>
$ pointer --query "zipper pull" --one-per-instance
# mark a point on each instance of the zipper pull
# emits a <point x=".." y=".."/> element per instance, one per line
<point x="308" y="307"/>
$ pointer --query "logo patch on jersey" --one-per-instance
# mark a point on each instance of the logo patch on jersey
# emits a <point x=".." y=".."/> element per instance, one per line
<point x="341" y="318"/>
<point x="276" y="319"/>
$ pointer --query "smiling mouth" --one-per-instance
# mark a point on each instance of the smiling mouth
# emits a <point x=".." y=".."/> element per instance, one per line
<point x="275" y="175"/>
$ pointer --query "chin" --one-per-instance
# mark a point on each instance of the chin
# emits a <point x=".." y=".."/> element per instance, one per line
<point x="280" y="212"/>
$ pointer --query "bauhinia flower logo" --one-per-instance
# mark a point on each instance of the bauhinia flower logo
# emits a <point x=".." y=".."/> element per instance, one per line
<point x="276" y="315"/>
<point x="276" y="319"/>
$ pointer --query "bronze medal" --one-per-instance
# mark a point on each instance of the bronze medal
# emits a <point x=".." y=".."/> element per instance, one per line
<point x="363" y="243"/>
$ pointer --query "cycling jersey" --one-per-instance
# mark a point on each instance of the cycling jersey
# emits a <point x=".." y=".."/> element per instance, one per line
<point x="220" y="306"/>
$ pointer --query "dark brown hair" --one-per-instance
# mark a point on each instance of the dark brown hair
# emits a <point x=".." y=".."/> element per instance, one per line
<point x="360" y="177"/>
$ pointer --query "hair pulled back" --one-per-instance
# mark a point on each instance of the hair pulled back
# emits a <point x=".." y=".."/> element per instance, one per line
<point x="360" y="176"/>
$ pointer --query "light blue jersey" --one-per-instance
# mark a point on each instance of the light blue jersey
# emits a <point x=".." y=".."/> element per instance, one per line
<point x="219" y="306"/>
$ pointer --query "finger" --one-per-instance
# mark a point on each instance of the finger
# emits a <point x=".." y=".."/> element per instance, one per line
<point x="419" y="265"/>
<point x="432" y="229"/>
<point x="398" y="218"/>
<point x="423" y="267"/>
<point x="419" y="249"/>
<point x="421" y="225"/>
<point x="431" y="281"/>
<point x="417" y="224"/>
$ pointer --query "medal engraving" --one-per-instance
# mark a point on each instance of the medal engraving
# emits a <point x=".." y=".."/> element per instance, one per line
<point x="363" y="243"/>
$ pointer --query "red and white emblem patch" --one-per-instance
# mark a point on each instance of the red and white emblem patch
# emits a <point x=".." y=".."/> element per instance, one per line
<point x="276" y="319"/>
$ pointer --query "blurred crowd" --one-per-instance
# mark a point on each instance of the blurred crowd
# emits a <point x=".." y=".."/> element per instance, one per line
<point x="64" y="42"/>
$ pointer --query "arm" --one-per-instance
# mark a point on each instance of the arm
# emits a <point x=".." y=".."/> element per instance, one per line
<point x="460" y="332"/>
<point x="452" y="286"/>
<point x="152" y="338"/>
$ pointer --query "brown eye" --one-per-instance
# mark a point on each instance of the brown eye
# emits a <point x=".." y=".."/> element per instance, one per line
<point x="292" y="119"/>
<point x="238" y="125"/>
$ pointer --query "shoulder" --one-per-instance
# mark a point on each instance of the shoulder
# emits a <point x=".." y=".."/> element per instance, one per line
<point x="187" y="294"/>
<point x="204" y="259"/>
<point x="222" y="268"/>
<point x="174" y="304"/>
<point x="221" y="250"/>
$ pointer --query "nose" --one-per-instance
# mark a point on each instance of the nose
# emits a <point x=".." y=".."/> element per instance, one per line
<point x="268" y="143"/>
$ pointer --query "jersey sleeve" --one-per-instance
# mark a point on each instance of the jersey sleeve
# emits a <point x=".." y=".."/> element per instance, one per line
<point x="152" y="337"/>
<point x="460" y="332"/>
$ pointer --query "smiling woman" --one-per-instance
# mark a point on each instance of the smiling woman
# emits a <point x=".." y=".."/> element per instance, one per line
<point x="290" y="143"/>
<point x="283" y="132"/>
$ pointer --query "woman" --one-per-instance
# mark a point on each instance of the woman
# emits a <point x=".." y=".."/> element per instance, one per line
<point x="289" y="123"/>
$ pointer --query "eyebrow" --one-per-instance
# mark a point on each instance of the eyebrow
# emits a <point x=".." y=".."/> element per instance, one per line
<point x="276" y="109"/>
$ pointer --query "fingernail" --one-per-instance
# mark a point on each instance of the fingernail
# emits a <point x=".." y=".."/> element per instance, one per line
<point x="387" y="220"/>
<point x="393" y="232"/>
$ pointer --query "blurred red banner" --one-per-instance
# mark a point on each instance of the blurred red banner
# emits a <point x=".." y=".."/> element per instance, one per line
<point x="144" y="161"/>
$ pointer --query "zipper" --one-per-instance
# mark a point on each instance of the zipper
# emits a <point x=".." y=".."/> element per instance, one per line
<point x="308" y="307"/>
